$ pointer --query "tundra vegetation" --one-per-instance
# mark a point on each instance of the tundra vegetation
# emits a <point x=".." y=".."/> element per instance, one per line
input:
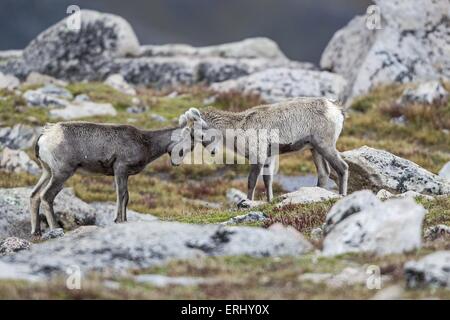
<point x="171" y="194"/>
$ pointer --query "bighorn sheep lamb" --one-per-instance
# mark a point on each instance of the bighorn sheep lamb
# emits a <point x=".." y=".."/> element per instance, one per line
<point x="113" y="150"/>
<point x="313" y="123"/>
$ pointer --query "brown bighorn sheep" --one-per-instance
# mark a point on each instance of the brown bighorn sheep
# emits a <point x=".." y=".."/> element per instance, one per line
<point x="113" y="150"/>
<point x="313" y="123"/>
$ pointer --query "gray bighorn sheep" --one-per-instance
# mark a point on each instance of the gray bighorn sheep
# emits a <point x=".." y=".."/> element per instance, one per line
<point x="313" y="123"/>
<point x="113" y="150"/>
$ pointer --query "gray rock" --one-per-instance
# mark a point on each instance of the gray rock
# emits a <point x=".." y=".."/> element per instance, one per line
<point x="172" y="71"/>
<point x="157" y="117"/>
<point x="12" y="245"/>
<point x="18" y="161"/>
<point x="118" y="82"/>
<point x="70" y="212"/>
<point x="440" y="231"/>
<point x="251" y="48"/>
<point x="161" y="281"/>
<point x="48" y="96"/>
<point x="82" y="98"/>
<point x="105" y="213"/>
<point x="349" y="276"/>
<point x="136" y="109"/>
<point x="378" y="169"/>
<point x="340" y="55"/>
<point x="20" y="136"/>
<point x="143" y="244"/>
<point x="392" y="226"/>
<point x="239" y="198"/>
<point x="10" y="54"/>
<point x="8" y="81"/>
<point x="158" y="72"/>
<point x="433" y="270"/>
<point x="400" y="120"/>
<point x="352" y="204"/>
<point x="384" y="194"/>
<point x="53" y="234"/>
<point x="277" y="84"/>
<point x="235" y="196"/>
<point x="15" y="66"/>
<point x="83" y="109"/>
<point x="426" y="92"/>
<point x="254" y="216"/>
<point x="307" y="195"/>
<point x="81" y="54"/>
<point x="407" y="48"/>
<point x="445" y="171"/>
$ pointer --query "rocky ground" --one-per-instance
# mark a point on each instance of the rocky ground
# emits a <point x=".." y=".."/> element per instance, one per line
<point x="389" y="239"/>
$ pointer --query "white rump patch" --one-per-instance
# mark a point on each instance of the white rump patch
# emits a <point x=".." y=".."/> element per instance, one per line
<point x="334" y="113"/>
<point x="52" y="136"/>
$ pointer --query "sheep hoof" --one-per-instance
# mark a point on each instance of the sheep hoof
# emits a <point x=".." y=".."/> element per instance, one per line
<point x="36" y="236"/>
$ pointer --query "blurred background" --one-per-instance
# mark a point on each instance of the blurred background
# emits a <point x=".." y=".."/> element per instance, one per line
<point x="302" y="28"/>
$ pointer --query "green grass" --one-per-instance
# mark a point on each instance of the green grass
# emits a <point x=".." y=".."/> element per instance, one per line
<point x="100" y="92"/>
<point x="239" y="277"/>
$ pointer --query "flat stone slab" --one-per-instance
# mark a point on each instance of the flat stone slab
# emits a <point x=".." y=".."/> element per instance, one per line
<point x="137" y="245"/>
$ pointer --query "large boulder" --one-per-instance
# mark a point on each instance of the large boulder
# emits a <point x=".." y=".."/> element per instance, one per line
<point x="277" y="84"/>
<point x="353" y="203"/>
<point x="158" y="72"/>
<point x="19" y="136"/>
<point x="184" y="70"/>
<point x="17" y="161"/>
<point x="8" y="81"/>
<point x="426" y="93"/>
<point x="363" y="223"/>
<point x="70" y="211"/>
<point x="137" y="245"/>
<point x="409" y="47"/>
<point x="432" y="270"/>
<point x="49" y="95"/>
<point x="378" y="169"/>
<point x="81" y="54"/>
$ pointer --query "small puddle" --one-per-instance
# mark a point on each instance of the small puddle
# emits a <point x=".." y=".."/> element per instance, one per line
<point x="293" y="183"/>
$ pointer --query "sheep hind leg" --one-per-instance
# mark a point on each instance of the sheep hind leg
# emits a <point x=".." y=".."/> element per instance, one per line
<point x="50" y="192"/>
<point x="35" y="201"/>
<point x="322" y="168"/>
<point x="332" y="156"/>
